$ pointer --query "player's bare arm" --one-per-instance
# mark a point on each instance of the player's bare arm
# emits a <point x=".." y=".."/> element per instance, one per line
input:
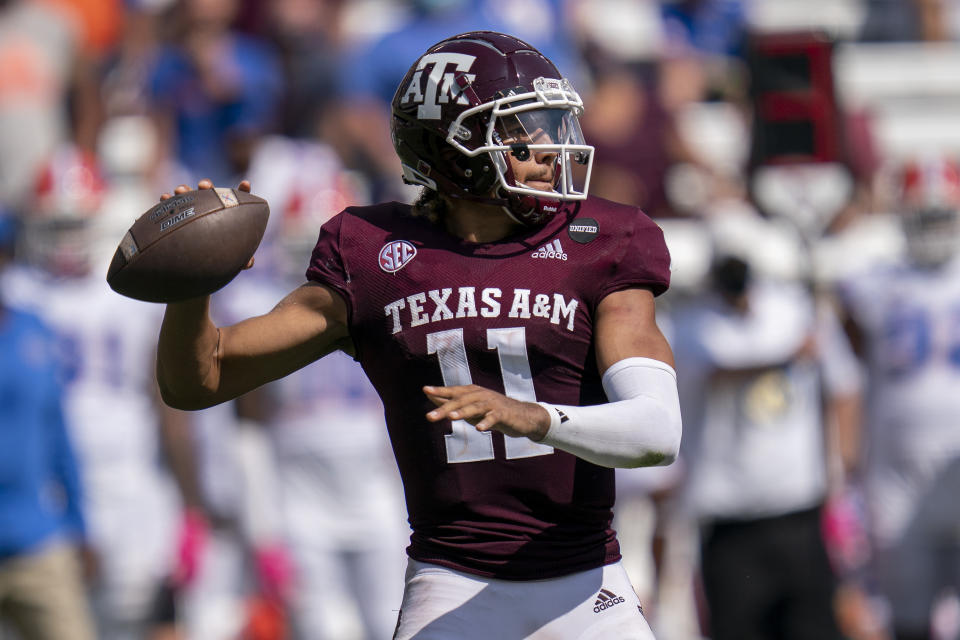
<point x="639" y="427"/>
<point x="626" y="327"/>
<point x="200" y="365"/>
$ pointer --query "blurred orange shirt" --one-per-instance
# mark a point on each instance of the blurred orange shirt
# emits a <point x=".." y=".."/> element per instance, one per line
<point x="99" y="22"/>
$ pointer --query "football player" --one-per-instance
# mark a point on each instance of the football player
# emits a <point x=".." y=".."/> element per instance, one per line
<point x="111" y="404"/>
<point x="903" y="319"/>
<point x="506" y="320"/>
<point x="341" y="507"/>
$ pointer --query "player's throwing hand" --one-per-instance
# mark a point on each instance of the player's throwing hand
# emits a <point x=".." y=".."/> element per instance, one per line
<point x="206" y="183"/>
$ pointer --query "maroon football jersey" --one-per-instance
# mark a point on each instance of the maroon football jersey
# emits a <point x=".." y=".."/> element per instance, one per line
<point x="515" y="316"/>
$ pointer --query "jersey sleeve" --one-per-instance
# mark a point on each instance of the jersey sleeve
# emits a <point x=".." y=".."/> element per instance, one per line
<point x="643" y="260"/>
<point x="327" y="265"/>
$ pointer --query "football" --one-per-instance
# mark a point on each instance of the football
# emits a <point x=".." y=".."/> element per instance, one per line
<point x="189" y="245"/>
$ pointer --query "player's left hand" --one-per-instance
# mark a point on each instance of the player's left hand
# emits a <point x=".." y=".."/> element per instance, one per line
<point x="486" y="410"/>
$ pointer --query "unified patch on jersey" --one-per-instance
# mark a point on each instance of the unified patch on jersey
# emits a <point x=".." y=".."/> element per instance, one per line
<point x="583" y="230"/>
<point x="396" y="255"/>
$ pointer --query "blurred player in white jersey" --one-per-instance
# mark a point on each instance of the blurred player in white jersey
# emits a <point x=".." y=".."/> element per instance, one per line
<point x="905" y="322"/>
<point x="111" y="404"/>
<point x="231" y="546"/>
<point x="342" y="506"/>
<point x="300" y="471"/>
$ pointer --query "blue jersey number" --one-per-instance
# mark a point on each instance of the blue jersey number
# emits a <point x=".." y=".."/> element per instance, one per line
<point x="77" y="356"/>
<point x="908" y="341"/>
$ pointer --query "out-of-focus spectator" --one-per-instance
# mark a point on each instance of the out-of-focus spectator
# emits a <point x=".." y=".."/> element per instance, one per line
<point x="100" y="22"/>
<point x="41" y="513"/>
<point x="125" y="71"/>
<point x="902" y="318"/>
<point x="908" y="20"/>
<point x="636" y="137"/>
<point x="752" y="357"/>
<point x="641" y="146"/>
<point x="214" y="92"/>
<point x="372" y="67"/>
<point x="368" y="76"/>
<point x="99" y="25"/>
<point x="106" y="343"/>
<point x="39" y="54"/>
<point x="642" y="78"/>
<point x="712" y="27"/>
<point x="705" y="44"/>
<point x="308" y="37"/>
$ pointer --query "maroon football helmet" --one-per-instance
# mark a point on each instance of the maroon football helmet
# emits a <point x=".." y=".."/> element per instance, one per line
<point x="476" y="97"/>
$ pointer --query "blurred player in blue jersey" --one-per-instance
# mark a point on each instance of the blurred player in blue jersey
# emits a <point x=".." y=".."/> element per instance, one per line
<point x="42" y="527"/>
<point x="113" y="411"/>
<point x="904" y="320"/>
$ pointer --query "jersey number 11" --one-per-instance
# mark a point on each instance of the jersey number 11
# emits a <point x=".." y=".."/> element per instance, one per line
<point x="465" y="443"/>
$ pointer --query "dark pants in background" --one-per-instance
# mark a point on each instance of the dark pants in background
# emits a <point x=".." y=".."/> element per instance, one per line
<point x="768" y="579"/>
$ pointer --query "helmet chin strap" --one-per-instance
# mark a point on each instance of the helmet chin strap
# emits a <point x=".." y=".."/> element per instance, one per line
<point x="512" y="205"/>
<point x="499" y="202"/>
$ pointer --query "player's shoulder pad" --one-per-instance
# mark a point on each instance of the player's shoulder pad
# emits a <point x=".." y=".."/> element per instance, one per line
<point x="629" y="244"/>
<point x="377" y="212"/>
<point x="614" y="218"/>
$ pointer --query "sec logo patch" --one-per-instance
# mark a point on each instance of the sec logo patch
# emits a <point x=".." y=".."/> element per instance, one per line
<point x="396" y="255"/>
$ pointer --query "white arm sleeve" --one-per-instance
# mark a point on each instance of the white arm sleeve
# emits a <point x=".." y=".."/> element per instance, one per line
<point x="639" y="427"/>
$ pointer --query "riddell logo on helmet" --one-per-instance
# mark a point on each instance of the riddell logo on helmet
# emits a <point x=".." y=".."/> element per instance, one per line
<point x="441" y="86"/>
<point x="396" y="255"/>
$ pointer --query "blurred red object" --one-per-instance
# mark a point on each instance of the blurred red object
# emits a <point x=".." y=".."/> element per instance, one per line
<point x="274" y="570"/>
<point x="266" y="619"/>
<point x="191" y="542"/>
<point x="844" y="531"/>
<point x="930" y="182"/>
<point x="68" y="185"/>
<point x="796" y="113"/>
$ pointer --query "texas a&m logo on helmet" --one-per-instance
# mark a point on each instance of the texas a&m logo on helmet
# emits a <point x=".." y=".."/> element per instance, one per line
<point x="458" y="101"/>
<point x="442" y="84"/>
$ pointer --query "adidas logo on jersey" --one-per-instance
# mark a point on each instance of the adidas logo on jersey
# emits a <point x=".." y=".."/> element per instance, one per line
<point x="605" y="600"/>
<point x="550" y="250"/>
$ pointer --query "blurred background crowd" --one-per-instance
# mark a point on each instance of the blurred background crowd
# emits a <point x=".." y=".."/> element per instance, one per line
<point x="800" y="156"/>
